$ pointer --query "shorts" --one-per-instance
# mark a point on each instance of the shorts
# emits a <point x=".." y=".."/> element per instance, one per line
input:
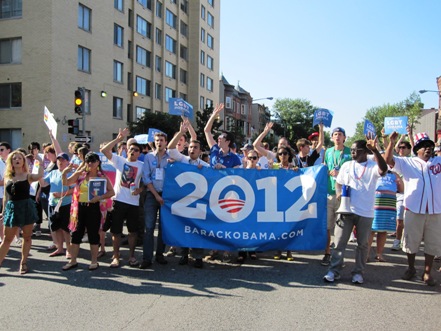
<point x="400" y="210"/>
<point x="124" y="211"/>
<point x="333" y="205"/>
<point x="422" y="226"/>
<point x="64" y="217"/>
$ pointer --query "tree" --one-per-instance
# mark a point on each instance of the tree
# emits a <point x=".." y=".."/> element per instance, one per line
<point x="410" y="107"/>
<point x="202" y="119"/>
<point x="293" y="118"/>
<point x="168" y="124"/>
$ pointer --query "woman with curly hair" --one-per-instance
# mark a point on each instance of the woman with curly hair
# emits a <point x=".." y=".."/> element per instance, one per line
<point x="19" y="209"/>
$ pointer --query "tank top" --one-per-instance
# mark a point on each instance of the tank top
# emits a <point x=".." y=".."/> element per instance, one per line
<point x="18" y="190"/>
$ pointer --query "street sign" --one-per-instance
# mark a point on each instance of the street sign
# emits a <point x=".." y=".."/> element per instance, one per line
<point x="83" y="139"/>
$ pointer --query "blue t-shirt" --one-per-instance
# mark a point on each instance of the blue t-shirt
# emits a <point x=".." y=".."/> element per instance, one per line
<point x="54" y="179"/>
<point x="229" y="160"/>
<point x="387" y="182"/>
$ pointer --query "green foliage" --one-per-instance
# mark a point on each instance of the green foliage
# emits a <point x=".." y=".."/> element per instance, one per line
<point x="201" y="120"/>
<point x="410" y="107"/>
<point x="168" y="124"/>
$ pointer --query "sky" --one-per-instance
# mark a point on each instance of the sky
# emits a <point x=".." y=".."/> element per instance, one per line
<point x="344" y="55"/>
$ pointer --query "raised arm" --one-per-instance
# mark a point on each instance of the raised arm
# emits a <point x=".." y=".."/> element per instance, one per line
<point x="193" y="135"/>
<point x="182" y="130"/>
<point x="258" y="142"/>
<point x="382" y="165"/>
<point x="321" y="140"/>
<point x="388" y="154"/>
<point x="107" y="150"/>
<point x="39" y="174"/>
<point x="55" y="143"/>
<point x="207" y="130"/>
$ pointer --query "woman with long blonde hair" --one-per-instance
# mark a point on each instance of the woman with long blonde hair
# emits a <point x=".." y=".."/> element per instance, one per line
<point x="19" y="209"/>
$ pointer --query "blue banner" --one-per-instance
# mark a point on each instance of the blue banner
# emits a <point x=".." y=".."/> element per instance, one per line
<point x="180" y="107"/>
<point x="324" y="116"/>
<point x="369" y="129"/>
<point x="151" y="134"/>
<point x="398" y="124"/>
<point x="245" y="209"/>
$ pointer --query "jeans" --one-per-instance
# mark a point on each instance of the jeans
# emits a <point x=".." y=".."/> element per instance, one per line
<point x="342" y="233"/>
<point x="151" y="210"/>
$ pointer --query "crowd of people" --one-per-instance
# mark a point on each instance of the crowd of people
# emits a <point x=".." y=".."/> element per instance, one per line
<point x="393" y="184"/>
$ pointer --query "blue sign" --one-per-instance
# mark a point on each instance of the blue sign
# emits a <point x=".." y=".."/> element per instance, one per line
<point x="245" y="209"/>
<point x="324" y="116"/>
<point x="369" y="130"/>
<point x="180" y="107"/>
<point x="151" y="134"/>
<point x="398" y="124"/>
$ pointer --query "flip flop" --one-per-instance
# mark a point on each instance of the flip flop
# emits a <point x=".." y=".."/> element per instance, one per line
<point x="380" y="259"/>
<point x="115" y="263"/>
<point x="23" y="269"/>
<point x="93" y="266"/>
<point x="53" y="254"/>
<point x="69" y="266"/>
<point x="101" y="254"/>
<point x="133" y="263"/>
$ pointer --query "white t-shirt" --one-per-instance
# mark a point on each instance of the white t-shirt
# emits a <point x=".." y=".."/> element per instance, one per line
<point x="177" y="156"/>
<point x="422" y="183"/>
<point x="362" y="178"/>
<point x="126" y="173"/>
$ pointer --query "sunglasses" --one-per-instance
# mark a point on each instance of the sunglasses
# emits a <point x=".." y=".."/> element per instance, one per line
<point x="357" y="149"/>
<point x="252" y="157"/>
<point x="283" y="153"/>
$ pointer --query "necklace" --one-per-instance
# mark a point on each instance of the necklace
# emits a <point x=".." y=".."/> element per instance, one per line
<point x="336" y="162"/>
<point x="362" y="173"/>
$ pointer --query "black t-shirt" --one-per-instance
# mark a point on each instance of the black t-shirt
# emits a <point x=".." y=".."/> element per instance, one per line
<point x="308" y="160"/>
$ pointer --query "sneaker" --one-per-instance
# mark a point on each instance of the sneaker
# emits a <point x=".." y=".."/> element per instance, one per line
<point x="330" y="277"/>
<point x="396" y="245"/>
<point x="145" y="264"/>
<point x="357" y="279"/>
<point x="352" y="239"/>
<point x="326" y="260"/>
<point x="37" y="230"/>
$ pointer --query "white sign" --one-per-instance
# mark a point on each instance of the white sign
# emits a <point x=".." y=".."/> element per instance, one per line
<point x="50" y="121"/>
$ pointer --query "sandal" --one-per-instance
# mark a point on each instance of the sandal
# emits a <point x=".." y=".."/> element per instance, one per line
<point x="380" y="259"/>
<point x="93" y="266"/>
<point x="69" y="266"/>
<point x="23" y="269"/>
<point x="429" y="281"/>
<point x="133" y="263"/>
<point x="101" y="254"/>
<point x="115" y="263"/>
<point x="226" y="258"/>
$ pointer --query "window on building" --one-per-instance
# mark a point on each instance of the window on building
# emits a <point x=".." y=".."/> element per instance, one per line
<point x="158" y="8"/>
<point x="170" y="70"/>
<point x="140" y="111"/>
<point x="146" y="3"/>
<point x="143" y="27"/>
<point x="210" y="41"/>
<point x="203" y="12"/>
<point x="117" y="107"/>
<point x="201" y="102"/>
<point x="211" y="3"/>
<point x="143" y="56"/>
<point x="130" y="18"/>
<point x="170" y="19"/>
<point x="210" y="103"/>
<point x="117" y="71"/>
<point x="173" y="1"/>
<point x="210" y="62"/>
<point x="84" y="17"/>
<point x="169" y="93"/>
<point x="118" y="35"/>
<point x="242" y="109"/>
<point x="183" y="96"/>
<point x="10" y="95"/>
<point x="183" y="52"/>
<point x="184" y="29"/>
<point x="129" y="81"/>
<point x="202" y="80"/>
<point x="158" y="91"/>
<point x="228" y="102"/>
<point x="202" y="57"/>
<point x="210" y="20"/>
<point x="184" y="6"/>
<point x="119" y="5"/>
<point x="183" y="76"/>
<point x="129" y="49"/>
<point x="209" y="84"/>
<point x="10" y="8"/>
<point x="158" y="36"/>
<point x="203" y="35"/>
<point x="170" y="44"/>
<point x="10" y="50"/>
<point x="158" y="63"/>
<point x="142" y="86"/>
<point x="83" y="59"/>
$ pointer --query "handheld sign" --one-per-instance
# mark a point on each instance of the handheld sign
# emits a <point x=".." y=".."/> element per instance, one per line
<point x="151" y="134"/>
<point x="324" y="116"/>
<point x="369" y="129"/>
<point x="142" y="139"/>
<point x="50" y="121"/>
<point x="398" y="124"/>
<point x="180" y="107"/>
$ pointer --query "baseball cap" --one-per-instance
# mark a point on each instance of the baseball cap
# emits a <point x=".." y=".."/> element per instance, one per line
<point x="420" y="138"/>
<point x="339" y="129"/>
<point x="63" y="155"/>
<point x="313" y="135"/>
<point x="247" y="147"/>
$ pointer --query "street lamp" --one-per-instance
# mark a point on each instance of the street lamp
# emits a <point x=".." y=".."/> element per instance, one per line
<point x="424" y="91"/>
<point x="267" y="98"/>
<point x="438" y="121"/>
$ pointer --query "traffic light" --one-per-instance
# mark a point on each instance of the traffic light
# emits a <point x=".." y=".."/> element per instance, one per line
<point x="79" y="101"/>
<point x="73" y="126"/>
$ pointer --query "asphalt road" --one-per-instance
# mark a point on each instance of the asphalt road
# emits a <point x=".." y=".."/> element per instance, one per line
<point x="258" y="295"/>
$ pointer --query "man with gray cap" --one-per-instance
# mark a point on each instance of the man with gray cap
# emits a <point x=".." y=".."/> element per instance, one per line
<point x="422" y="202"/>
